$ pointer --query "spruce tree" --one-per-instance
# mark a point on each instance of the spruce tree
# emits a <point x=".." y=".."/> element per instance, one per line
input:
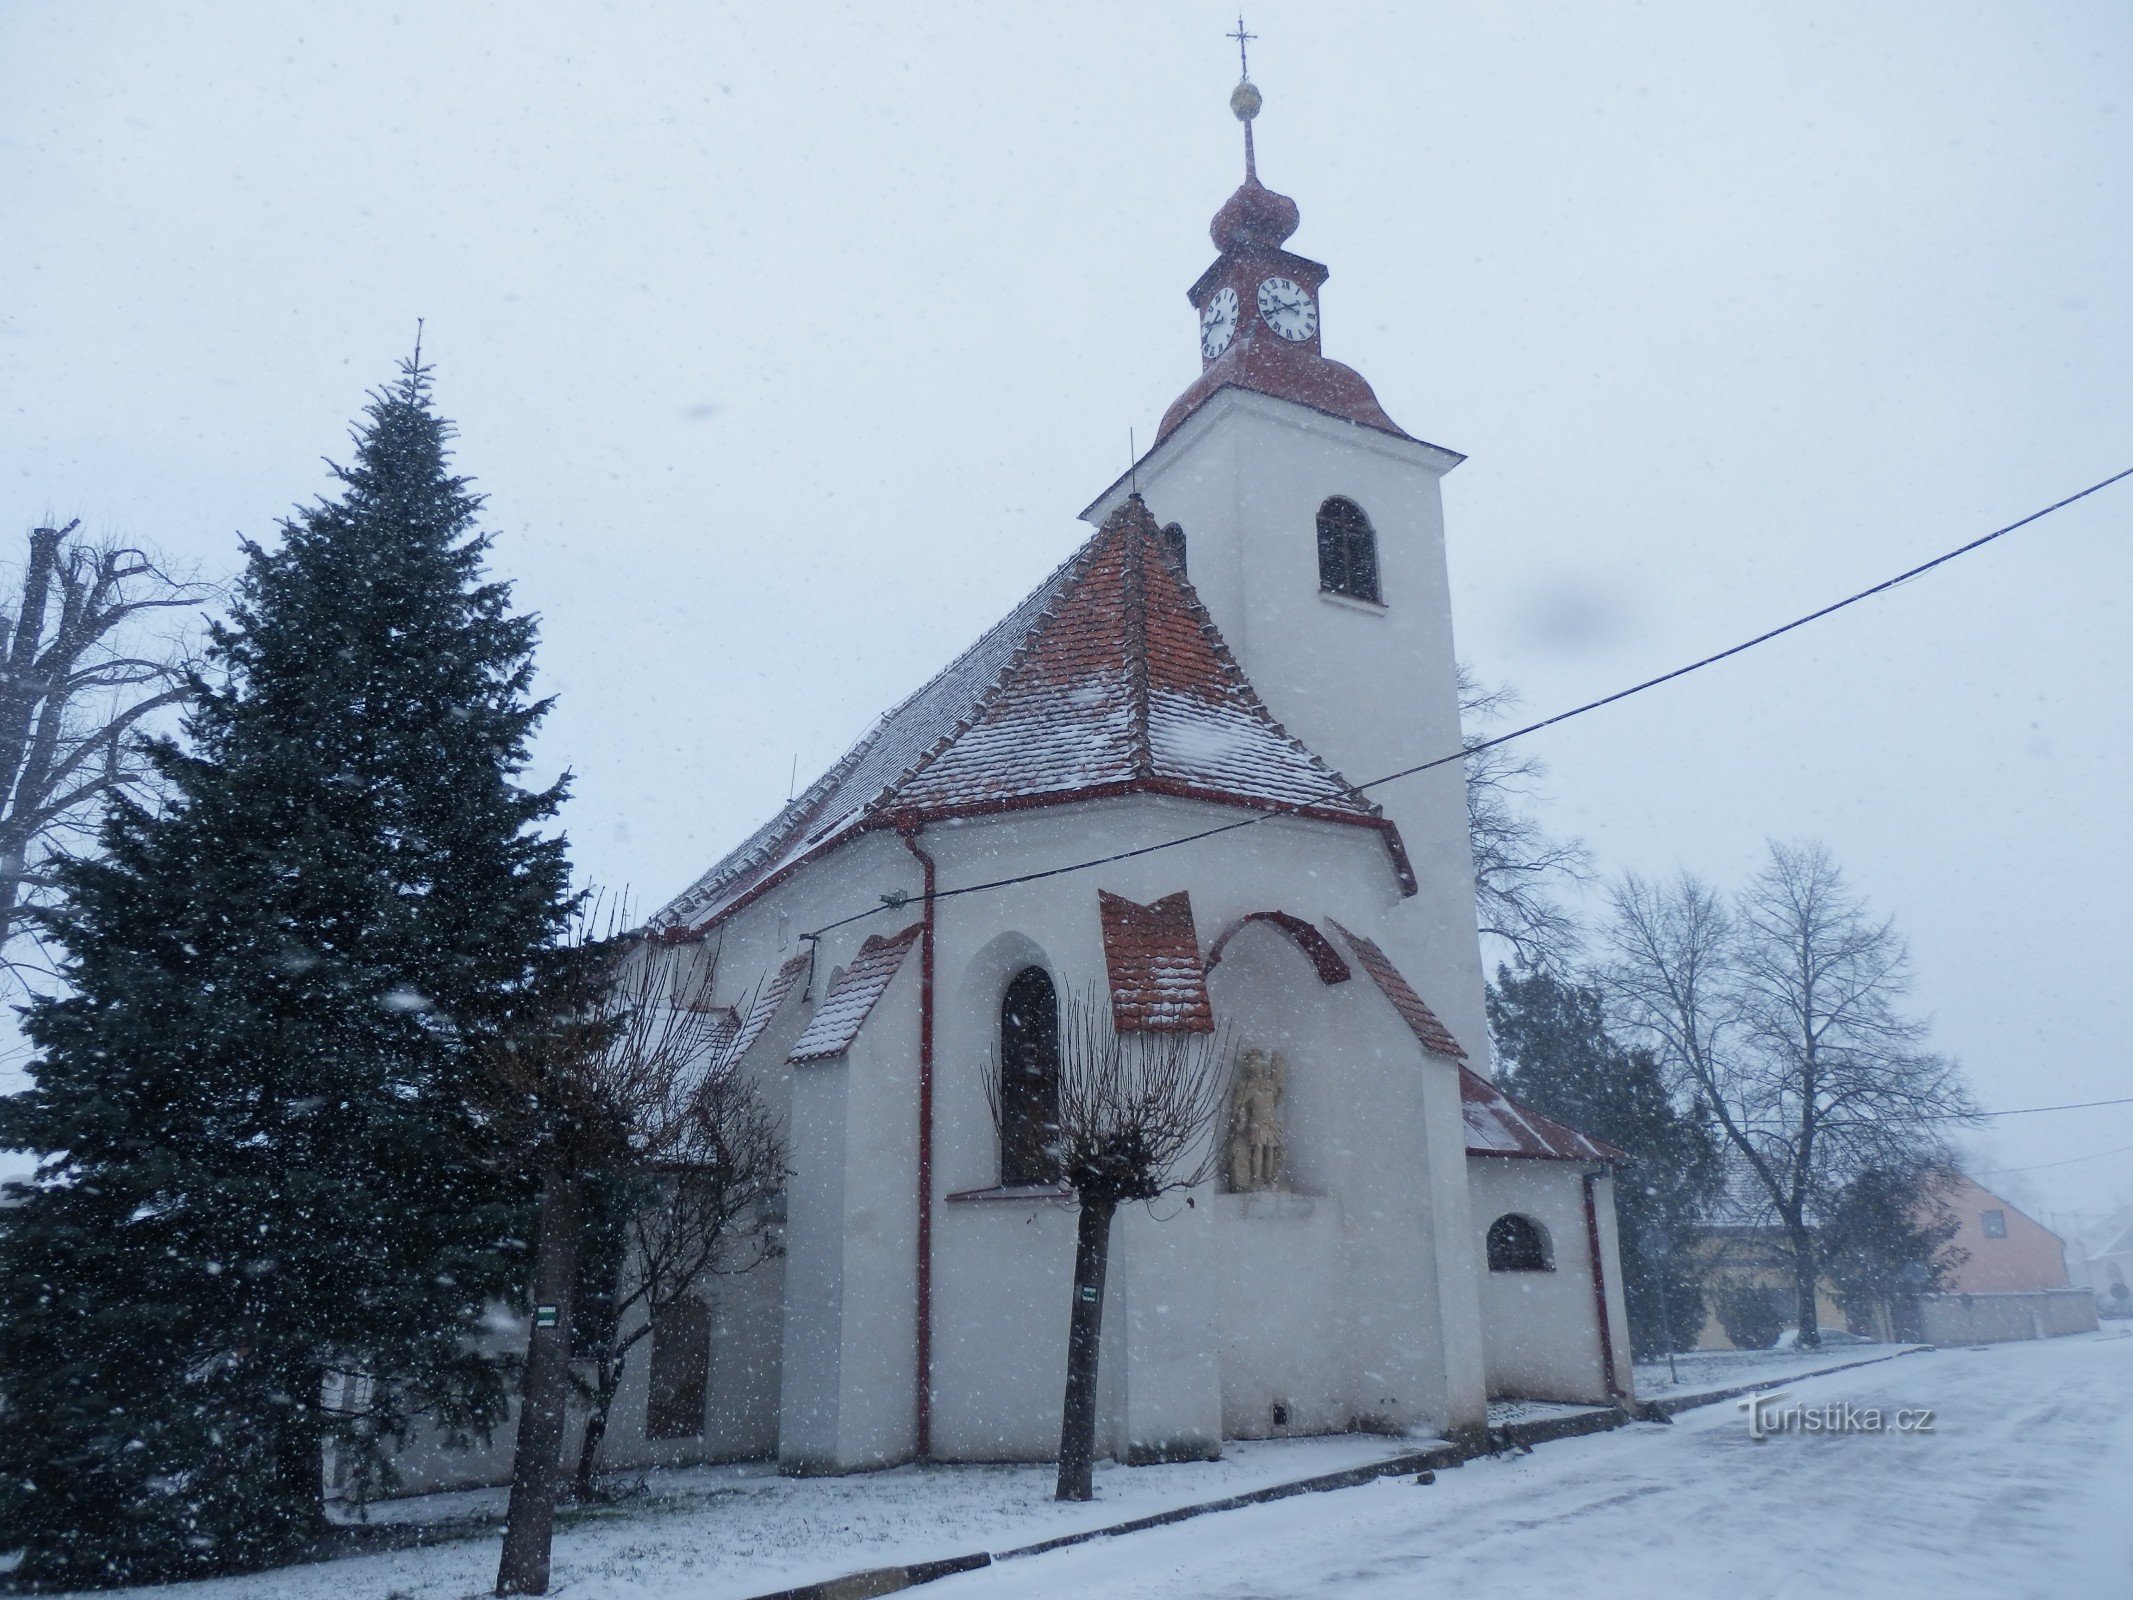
<point x="266" y="1159"/>
<point x="1561" y="1060"/>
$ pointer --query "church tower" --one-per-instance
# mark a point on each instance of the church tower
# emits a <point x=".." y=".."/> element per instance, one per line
<point x="1312" y="527"/>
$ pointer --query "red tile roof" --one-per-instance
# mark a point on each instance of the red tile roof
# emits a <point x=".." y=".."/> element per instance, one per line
<point x="1158" y="982"/>
<point x="1435" y="1037"/>
<point x="1111" y="679"/>
<point x="1496" y="1125"/>
<point x="762" y="1008"/>
<point x="843" y="1012"/>
<point x="1331" y="968"/>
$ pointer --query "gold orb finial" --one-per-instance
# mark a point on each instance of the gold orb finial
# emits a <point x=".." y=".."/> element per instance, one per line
<point x="1245" y="101"/>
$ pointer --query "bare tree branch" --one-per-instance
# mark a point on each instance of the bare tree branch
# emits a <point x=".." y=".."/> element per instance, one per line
<point x="1518" y="866"/>
<point x="79" y="673"/>
<point x="1781" y="1015"/>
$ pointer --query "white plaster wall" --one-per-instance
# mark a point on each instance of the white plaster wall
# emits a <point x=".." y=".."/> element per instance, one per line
<point x="1371" y="689"/>
<point x="1542" y="1338"/>
<point x="1407" y="1351"/>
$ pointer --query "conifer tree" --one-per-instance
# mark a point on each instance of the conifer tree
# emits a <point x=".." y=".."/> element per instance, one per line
<point x="266" y="1162"/>
<point x="1561" y="1060"/>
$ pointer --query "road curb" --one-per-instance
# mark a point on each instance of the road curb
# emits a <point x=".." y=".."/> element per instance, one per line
<point x="875" y="1581"/>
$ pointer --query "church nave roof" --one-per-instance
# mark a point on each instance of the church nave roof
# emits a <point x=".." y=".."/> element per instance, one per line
<point x="1110" y="679"/>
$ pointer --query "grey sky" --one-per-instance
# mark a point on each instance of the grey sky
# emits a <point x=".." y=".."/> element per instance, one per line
<point x="787" y="341"/>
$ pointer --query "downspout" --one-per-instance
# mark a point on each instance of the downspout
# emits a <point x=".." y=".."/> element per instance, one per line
<point x="925" y="1149"/>
<point x="1599" y="1284"/>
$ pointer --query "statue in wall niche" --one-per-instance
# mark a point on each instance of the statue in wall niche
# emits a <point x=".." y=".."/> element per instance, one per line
<point x="1256" y="1158"/>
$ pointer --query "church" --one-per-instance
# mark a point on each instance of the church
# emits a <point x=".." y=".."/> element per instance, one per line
<point x="1259" y="620"/>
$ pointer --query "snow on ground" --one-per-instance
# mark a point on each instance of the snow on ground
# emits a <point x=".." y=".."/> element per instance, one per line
<point x="1702" y="1371"/>
<point x="2021" y="1490"/>
<point x="723" y="1533"/>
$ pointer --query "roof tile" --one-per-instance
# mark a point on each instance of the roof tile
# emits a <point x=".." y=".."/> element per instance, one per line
<point x="1158" y="982"/>
<point x="1109" y="679"/>
<point x="843" y="1012"/>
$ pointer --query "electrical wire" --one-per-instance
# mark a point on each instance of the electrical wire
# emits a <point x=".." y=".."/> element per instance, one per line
<point x="890" y="903"/>
<point x="2041" y="1166"/>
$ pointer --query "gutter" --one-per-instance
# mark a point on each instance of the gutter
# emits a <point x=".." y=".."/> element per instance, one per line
<point x="924" y="1396"/>
<point x="1615" y="1390"/>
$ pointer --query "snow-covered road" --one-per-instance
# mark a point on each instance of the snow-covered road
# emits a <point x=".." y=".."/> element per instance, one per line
<point x="2024" y="1488"/>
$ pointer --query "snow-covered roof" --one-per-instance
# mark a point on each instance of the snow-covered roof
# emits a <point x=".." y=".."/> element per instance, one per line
<point x="843" y="1012"/>
<point x="1152" y="953"/>
<point x="1110" y="679"/>
<point x="1496" y="1125"/>
<point x="1414" y="1011"/>
<point x="763" y="1007"/>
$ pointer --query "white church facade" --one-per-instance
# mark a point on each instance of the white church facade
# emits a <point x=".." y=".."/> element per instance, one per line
<point x="1259" y="619"/>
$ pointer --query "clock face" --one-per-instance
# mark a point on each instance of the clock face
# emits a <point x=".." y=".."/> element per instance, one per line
<point x="1218" y="323"/>
<point x="1287" y="309"/>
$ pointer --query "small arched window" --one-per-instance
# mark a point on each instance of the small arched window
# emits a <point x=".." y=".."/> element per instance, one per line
<point x="1347" y="551"/>
<point x="1518" y="1244"/>
<point x="1174" y="543"/>
<point x="1029" y="1078"/>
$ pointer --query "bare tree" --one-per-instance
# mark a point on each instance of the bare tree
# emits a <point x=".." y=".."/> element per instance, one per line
<point x="701" y="1213"/>
<point x="81" y="669"/>
<point x="1517" y="864"/>
<point x="1780" y="1014"/>
<point x="599" y="1075"/>
<point x="1135" y="1120"/>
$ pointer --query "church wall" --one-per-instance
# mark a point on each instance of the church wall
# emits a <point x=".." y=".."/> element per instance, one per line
<point x="1541" y="1338"/>
<point x="1004" y="1265"/>
<point x="1372" y="689"/>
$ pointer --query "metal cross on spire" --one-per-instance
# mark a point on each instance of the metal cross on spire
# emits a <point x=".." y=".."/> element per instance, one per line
<point x="1244" y="66"/>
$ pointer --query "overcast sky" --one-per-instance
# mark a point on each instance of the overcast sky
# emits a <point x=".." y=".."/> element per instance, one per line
<point x="787" y="342"/>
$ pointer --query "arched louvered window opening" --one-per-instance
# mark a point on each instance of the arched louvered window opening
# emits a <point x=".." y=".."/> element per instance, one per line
<point x="1029" y="1079"/>
<point x="1518" y="1244"/>
<point x="1174" y="543"/>
<point x="1347" y="551"/>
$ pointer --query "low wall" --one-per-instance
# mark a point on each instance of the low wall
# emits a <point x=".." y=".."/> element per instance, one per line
<point x="1991" y="1318"/>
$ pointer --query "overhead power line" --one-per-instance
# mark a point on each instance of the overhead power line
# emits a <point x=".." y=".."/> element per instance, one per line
<point x="1529" y="729"/>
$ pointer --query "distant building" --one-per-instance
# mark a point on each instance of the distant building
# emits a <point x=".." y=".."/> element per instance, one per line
<point x="2007" y="1279"/>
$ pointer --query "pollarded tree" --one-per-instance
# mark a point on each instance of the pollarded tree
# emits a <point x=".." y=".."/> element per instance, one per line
<point x="267" y="1154"/>
<point x="1135" y="1120"/>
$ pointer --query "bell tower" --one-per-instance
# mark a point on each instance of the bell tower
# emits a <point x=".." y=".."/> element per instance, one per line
<point x="1312" y="527"/>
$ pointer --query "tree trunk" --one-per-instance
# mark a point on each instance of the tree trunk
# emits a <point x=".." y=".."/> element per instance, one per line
<point x="300" y="1462"/>
<point x="1804" y="1274"/>
<point x="529" y="1526"/>
<point x="610" y="1381"/>
<point x="1077" y="1426"/>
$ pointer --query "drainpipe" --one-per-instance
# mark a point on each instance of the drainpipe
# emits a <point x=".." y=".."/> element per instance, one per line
<point x="925" y="1150"/>
<point x="1599" y="1283"/>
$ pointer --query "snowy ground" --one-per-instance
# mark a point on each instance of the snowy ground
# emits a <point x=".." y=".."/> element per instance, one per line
<point x="2021" y="1490"/>
<point x="724" y="1533"/>
<point x="1701" y="1371"/>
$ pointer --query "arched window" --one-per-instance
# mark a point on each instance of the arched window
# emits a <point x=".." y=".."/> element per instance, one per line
<point x="1347" y="551"/>
<point x="1518" y="1244"/>
<point x="1174" y="542"/>
<point x="1029" y="1078"/>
